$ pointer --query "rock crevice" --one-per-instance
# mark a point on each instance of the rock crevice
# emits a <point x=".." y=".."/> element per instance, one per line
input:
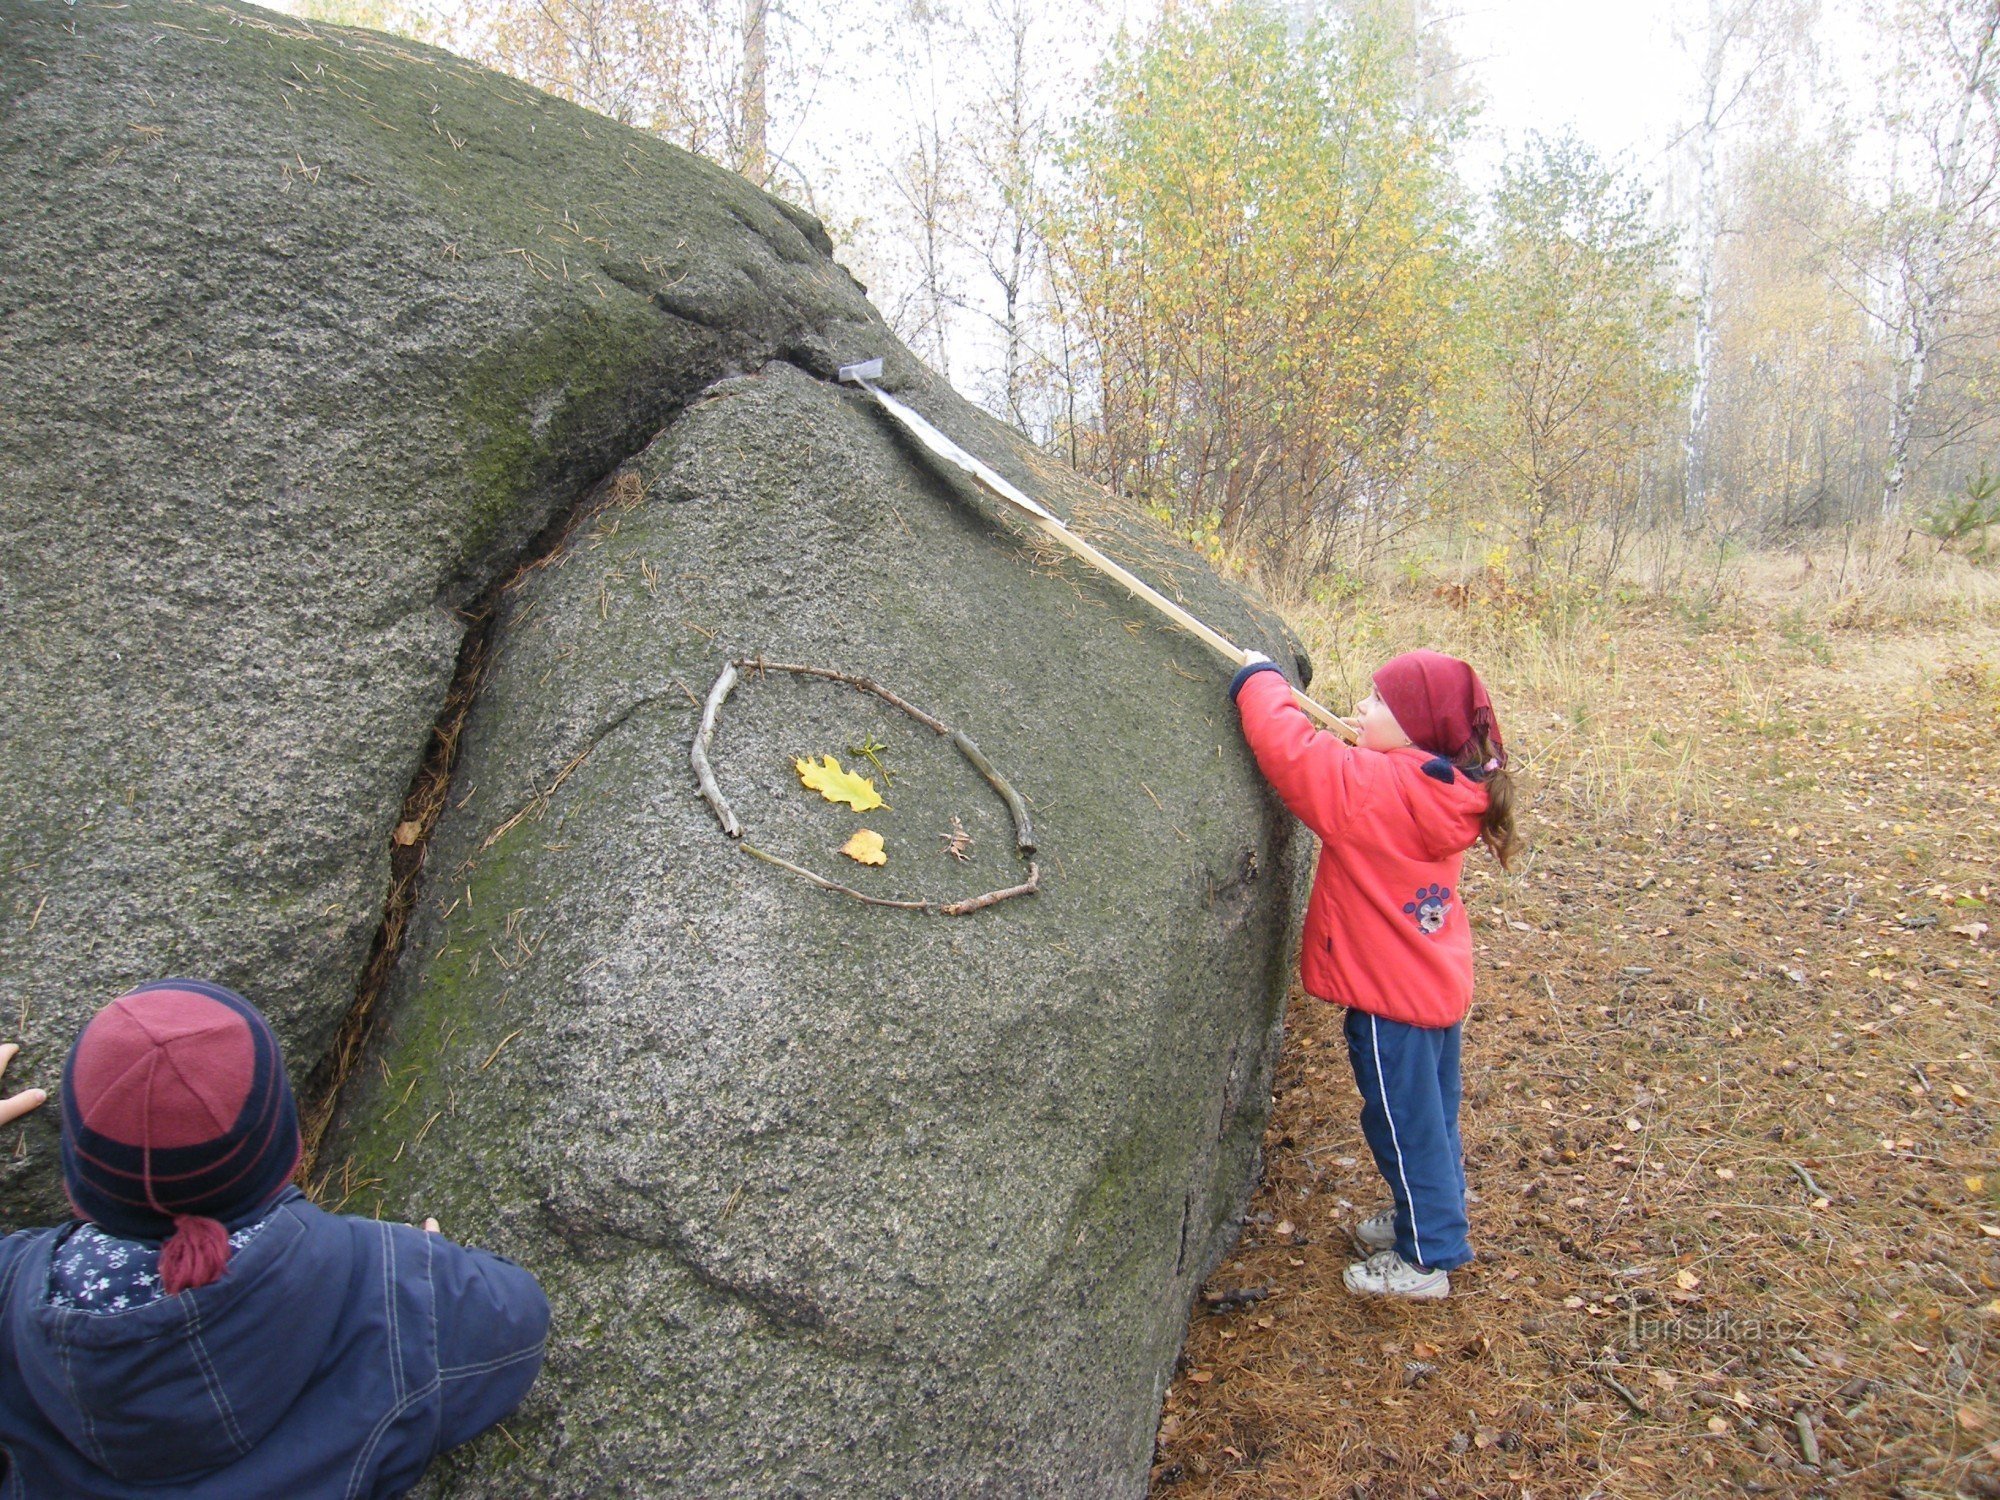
<point x="349" y="421"/>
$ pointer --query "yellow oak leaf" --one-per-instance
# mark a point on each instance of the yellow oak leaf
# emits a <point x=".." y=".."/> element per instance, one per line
<point x="836" y="785"/>
<point x="866" y="848"/>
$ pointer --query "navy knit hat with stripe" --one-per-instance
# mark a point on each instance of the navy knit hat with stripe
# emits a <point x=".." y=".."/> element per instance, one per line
<point x="177" y="1118"/>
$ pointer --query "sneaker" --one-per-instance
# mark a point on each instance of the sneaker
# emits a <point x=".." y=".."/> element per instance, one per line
<point x="1377" y="1231"/>
<point x="1387" y="1274"/>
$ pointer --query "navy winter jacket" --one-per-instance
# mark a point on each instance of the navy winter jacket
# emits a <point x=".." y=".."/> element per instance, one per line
<point x="335" y="1358"/>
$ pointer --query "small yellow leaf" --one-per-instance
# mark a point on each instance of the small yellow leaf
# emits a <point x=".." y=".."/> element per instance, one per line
<point x="865" y="848"/>
<point x="836" y="785"/>
<point x="1975" y="1184"/>
<point x="1687" y="1281"/>
<point x="406" y="833"/>
<point x="1717" y="1426"/>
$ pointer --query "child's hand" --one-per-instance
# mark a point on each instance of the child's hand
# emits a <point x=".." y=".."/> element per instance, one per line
<point x="27" y="1099"/>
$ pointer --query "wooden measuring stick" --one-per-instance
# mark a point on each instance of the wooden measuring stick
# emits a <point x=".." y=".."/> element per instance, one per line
<point x="1052" y="525"/>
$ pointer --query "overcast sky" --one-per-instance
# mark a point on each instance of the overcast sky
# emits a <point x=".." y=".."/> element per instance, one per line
<point x="1612" y="69"/>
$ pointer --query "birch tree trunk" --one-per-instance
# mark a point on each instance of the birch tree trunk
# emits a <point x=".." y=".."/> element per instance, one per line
<point x="1926" y="257"/>
<point x="1694" y="493"/>
<point x="756" y="107"/>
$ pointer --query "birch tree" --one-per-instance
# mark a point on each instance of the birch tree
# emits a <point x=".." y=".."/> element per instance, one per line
<point x="1941" y="215"/>
<point x="1742" y="43"/>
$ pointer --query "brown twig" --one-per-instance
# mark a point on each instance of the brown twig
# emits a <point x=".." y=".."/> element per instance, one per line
<point x="1024" y="834"/>
<point x="758" y="664"/>
<point x="833" y="885"/>
<point x="1027" y="887"/>
<point x="1639" y="1408"/>
<point x="703" y="771"/>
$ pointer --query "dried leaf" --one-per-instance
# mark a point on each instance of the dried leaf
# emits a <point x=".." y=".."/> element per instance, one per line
<point x="836" y="785"/>
<point x="406" y="833"/>
<point x="865" y="848"/>
<point x="1687" y="1281"/>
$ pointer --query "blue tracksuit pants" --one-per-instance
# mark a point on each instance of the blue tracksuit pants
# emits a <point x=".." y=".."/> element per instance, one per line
<point x="1408" y="1077"/>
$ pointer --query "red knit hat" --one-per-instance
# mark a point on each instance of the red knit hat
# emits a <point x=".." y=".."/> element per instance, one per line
<point x="176" y="1118"/>
<point x="1441" y="704"/>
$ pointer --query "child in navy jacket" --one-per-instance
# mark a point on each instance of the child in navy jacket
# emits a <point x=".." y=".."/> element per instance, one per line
<point x="203" y="1330"/>
<point x="1386" y="934"/>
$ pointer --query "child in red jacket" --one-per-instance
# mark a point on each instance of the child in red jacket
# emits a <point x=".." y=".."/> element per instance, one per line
<point x="1386" y="935"/>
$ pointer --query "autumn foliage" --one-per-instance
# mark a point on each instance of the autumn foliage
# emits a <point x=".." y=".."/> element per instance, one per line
<point x="1261" y="237"/>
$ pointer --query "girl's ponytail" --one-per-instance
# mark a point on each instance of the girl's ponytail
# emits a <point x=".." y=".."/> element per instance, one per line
<point x="1496" y="828"/>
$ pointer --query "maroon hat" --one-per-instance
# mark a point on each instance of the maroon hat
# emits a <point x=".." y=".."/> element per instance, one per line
<point x="1441" y="704"/>
<point x="176" y="1118"/>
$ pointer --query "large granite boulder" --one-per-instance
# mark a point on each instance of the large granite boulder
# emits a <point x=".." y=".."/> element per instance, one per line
<point x="327" y="349"/>
<point x="834" y="1198"/>
<point x="307" y="334"/>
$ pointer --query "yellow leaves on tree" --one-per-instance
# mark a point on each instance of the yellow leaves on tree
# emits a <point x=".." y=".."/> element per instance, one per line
<point x="1260" y="235"/>
<point x="865" y="848"/>
<point x="836" y="785"/>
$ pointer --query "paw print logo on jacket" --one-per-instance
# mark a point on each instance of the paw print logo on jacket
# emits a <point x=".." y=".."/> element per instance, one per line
<point x="1433" y="903"/>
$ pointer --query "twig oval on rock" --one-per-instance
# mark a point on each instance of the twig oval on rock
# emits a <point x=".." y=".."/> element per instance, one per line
<point x="704" y="771"/>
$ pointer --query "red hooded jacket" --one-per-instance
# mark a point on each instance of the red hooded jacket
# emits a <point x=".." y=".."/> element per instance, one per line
<point x="1385" y="929"/>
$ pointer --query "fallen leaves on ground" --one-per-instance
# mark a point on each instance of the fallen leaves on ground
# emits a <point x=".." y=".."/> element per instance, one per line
<point x="1729" y="1084"/>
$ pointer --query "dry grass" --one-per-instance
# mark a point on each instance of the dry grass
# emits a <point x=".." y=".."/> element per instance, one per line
<point x="1733" y="1076"/>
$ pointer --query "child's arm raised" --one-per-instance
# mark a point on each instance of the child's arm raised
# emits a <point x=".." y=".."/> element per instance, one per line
<point x="1321" y="779"/>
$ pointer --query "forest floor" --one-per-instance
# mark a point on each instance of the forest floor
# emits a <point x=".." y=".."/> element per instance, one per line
<point x="1732" y="1077"/>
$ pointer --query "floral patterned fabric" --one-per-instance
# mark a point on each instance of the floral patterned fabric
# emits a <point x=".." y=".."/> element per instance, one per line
<point x="97" y="1273"/>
